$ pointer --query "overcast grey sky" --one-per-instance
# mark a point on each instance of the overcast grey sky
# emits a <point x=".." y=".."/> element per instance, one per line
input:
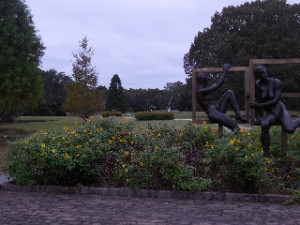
<point x="143" y="41"/>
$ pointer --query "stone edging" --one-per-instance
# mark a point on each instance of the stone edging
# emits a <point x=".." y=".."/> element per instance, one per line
<point x="144" y="193"/>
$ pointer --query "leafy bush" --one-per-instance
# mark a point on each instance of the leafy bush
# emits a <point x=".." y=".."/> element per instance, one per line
<point x="154" y="116"/>
<point x="158" y="161"/>
<point x="110" y="113"/>
<point x="104" y="152"/>
<point x="237" y="163"/>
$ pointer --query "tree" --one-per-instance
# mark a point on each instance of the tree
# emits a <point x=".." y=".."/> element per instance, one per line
<point x="115" y="97"/>
<point x="55" y="91"/>
<point x="21" y="85"/>
<point x="83" y="99"/>
<point x="259" y="29"/>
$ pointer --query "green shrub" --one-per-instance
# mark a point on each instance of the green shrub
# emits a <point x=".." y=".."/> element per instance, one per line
<point x="236" y="163"/>
<point x="158" y="161"/>
<point x="154" y="116"/>
<point x="104" y="152"/>
<point x="110" y="113"/>
<point x="85" y="155"/>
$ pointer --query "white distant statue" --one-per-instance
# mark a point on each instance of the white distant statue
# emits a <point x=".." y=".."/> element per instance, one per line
<point x="169" y="104"/>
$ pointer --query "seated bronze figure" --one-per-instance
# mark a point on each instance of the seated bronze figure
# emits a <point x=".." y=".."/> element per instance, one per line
<point x="216" y="113"/>
<point x="269" y="108"/>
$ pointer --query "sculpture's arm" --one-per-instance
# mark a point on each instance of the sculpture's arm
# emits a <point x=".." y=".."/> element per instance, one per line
<point x="218" y="83"/>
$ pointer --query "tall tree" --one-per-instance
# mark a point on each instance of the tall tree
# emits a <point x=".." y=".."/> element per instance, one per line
<point x="21" y="85"/>
<point x="259" y="29"/>
<point x="83" y="99"/>
<point x="115" y="96"/>
<point x="55" y="91"/>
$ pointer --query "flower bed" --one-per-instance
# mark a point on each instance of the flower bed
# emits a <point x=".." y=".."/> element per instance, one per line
<point x="103" y="152"/>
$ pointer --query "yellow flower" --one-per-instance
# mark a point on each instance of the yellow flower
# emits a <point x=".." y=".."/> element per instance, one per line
<point x="43" y="145"/>
<point x="78" y="146"/>
<point x="26" y="142"/>
<point x="66" y="155"/>
<point x="53" y="151"/>
<point x="141" y="164"/>
<point x="158" y="135"/>
<point x="249" y="133"/>
<point x="126" y="170"/>
<point x="126" y="153"/>
<point x="123" y="166"/>
<point x="237" y="148"/>
<point x="231" y="142"/>
<point x="120" y="174"/>
<point x="252" y="154"/>
<point x="242" y="130"/>
<point x="65" y="128"/>
<point x="238" y="141"/>
<point x="203" y="122"/>
<point x="246" y="156"/>
<point x="249" y="144"/>
<point x="196" y="126"/>
<point x="110" y="142"/>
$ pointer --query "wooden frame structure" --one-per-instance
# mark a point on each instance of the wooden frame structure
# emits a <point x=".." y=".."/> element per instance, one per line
<point x="249" y="84"/>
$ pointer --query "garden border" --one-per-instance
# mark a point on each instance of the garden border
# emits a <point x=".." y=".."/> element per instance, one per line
<point x="147" y="193"/>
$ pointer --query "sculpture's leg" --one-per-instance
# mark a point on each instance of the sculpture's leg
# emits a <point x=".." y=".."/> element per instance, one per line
<point x="228" y="98"/>
<point x="289" y="125"/>
<point x="223" y="119"/>
<point x="266" y="123"/>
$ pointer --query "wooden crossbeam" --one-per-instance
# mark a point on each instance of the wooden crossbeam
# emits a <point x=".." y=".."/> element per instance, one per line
<point x="220" y="69"/>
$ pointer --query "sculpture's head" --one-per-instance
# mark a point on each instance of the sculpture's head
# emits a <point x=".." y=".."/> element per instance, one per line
<point x="202" y="77"/>
<point x="261" y="72"/>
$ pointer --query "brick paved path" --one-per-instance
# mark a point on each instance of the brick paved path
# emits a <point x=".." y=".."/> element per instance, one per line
<point x="34" y="208"/>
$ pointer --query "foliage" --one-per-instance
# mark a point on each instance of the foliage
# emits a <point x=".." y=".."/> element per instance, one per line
<point x="115" y="96"/>
<point x="295" y="198"/>
<point x="21" y="49"/>
<point x="154" y="116"/>
<point x="107" y="113"/>
<point x="104" y="152"/>
<point x="83" y="99"/>
<point x="54" y="95"/>
<point x="237" y="162"/>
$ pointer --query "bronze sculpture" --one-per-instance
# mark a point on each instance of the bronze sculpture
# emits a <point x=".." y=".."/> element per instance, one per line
<point x="269" y="108"/>
<point x="216" y="113"/>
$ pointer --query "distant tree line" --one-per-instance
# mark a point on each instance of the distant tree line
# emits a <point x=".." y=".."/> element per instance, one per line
<point x="114" y="98"/>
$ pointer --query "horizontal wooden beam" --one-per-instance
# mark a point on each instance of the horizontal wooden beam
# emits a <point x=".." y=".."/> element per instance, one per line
<point x="290" y="95"/>
<point x="275" y="61"/>
<point x="220" y="69"/>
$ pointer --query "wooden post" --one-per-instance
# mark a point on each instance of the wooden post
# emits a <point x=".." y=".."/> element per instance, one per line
<point x="247" y="77"/>
<point x="283" y="146"/>
<point x="220" y="130"/>
<point x="251" y="83"/>
<point x="194" y="97"/>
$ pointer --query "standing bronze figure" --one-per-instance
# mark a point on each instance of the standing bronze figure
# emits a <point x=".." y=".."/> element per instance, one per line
<point x="216" y="113"/>
<point x="269" y="108"/>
